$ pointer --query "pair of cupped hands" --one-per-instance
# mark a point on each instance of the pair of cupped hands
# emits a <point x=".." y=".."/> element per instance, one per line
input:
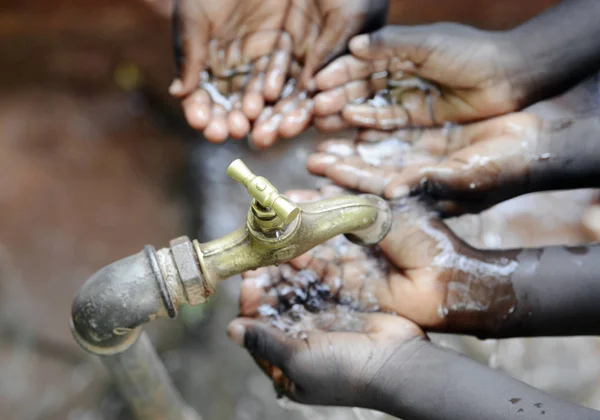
<point x="434" y="77"/>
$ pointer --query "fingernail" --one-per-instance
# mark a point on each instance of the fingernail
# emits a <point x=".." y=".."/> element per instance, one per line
<point x="400" y="191"/>
<point x="236" y="332"/>
<point x="359" y="42"/>
<point x="176" y="87"/>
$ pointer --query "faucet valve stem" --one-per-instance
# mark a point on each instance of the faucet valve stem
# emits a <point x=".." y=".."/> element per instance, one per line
<point x="263" y="192"/>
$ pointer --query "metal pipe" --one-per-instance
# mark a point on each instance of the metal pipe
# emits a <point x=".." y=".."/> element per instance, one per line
<point x="145" y="384"/>
<point x="110" y="309"/>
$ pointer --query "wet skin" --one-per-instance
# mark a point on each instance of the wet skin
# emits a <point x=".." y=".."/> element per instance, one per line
<point x="420" y="271"/>
<point x="250" y="49"/>
<point x="432" y="74"/>
<point x="332" y="345"/>
<point x="484" y="74"/>
<point x="470" y="168"/>
<point x="424" y="272"/>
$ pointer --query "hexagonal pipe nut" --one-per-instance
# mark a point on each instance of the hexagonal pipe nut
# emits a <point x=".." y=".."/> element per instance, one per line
<point x="185" y="260"/>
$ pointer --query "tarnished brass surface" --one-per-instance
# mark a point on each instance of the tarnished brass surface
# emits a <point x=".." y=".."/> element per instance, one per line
<point x="364" y="219"/>
<point x="263" y="191"/>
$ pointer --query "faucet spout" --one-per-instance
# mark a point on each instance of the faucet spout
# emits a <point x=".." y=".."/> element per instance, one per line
<point x="364" y="219"/>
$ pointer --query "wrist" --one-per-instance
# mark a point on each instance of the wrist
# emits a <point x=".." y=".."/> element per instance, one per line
<point x="395" y="374"/>
<point x="437" y="384"/>
<point x="567" y="155"/>
<point x="556" y="49"/>
<point x="479" y="293"/>
<point x="516" y="68"/>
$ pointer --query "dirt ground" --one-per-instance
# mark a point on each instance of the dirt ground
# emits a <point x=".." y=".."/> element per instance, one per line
<point x="95" y="162"/>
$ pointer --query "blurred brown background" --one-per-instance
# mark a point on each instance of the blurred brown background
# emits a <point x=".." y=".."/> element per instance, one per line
<point x="95" y="162"/>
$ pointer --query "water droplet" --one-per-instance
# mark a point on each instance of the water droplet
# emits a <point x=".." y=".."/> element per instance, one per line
<point x="543" y="156"/>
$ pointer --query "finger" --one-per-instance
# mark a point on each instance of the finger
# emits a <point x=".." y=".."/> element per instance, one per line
<point x="338" y="146"/>
<point x="261" y="44"/>
<point x="318" y="163"/>
<point x="374" y="117"/>
<point x="347" y="69"/>
<point x="194" y="39"/>
<point x="266" y="129"/>
<point x="297" y="120"/>
<point x="331" y="124"/>
<point x="331" y="42"/>
<point x="278" y="68"/>
<point x="254" y="101"/>
<point x="198" y="109"/>
<point x="238" y="123"/>
<point x="353" y="173"/>
<point x="333" y="101"/>
<point x="217" y="130"/>
<point x="393" y="42"/>
<point x="262" y="341"/>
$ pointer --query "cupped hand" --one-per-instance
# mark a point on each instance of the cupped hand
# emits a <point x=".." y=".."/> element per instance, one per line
<point x="317" y="346"/>
<point x="465" y="169"/>
<point x="421" y="270"/>
<point x="328" y="366"/>
<point x="255" y="49"/>
<point x="421" y="76"/>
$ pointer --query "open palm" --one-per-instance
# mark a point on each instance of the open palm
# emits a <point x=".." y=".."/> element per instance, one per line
<point x="248" y="50"/>
<point x="464" y="169"/>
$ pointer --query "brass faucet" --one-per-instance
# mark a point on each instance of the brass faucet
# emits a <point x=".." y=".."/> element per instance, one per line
<point x="111" y="307"/>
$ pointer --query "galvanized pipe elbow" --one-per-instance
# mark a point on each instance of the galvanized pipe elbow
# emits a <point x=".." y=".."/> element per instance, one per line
<point x="114" y="302"/>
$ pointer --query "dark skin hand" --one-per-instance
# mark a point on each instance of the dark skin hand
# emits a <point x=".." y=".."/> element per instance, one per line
<point x="432" y="74"/>
<point x="324" y="347"/>
<point x="328" y="366"/>
<point x="420" y="271"/>
<point x="251" y="49"/>
<point x="464" y="169"/>
<point x="377" y="361"/>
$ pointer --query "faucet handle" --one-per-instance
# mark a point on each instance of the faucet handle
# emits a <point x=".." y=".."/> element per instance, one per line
<point x="263" y="191"/>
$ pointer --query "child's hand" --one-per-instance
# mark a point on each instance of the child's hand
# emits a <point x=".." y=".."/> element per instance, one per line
<point x="421" y="271"/>
<point x="341" y="368"/>
<point x="250" y="50"/>
<point x="464" y="169"/>
<point x="432" y="73"/>
<point x="316" y="350"/>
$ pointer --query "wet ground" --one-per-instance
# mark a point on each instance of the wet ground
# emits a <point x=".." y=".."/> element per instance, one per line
<point x="95" y="162"/>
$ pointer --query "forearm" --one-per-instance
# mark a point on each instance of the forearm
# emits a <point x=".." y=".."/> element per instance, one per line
<point x="557" y="48"/>
<point x="557" y="292"/>
<point x="438" y="384"/>
<point x="567" y="157"/>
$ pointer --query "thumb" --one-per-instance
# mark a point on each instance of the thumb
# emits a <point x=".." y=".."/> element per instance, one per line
<point x="262" y="341"/>
<point x="405" y="43"/>
<point x="453" y="179"/>
<point x="190" y="41"/>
